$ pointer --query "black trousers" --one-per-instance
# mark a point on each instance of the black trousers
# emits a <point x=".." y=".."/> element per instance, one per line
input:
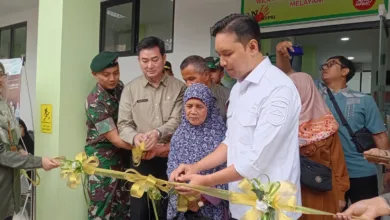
<point x="142" y="209"/>
<point x="362" y="188"/>
<point x="8" y="218"/>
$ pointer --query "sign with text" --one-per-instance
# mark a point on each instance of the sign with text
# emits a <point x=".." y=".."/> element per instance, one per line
<point x="46" y="118"/>
<point x="273" y="12"/>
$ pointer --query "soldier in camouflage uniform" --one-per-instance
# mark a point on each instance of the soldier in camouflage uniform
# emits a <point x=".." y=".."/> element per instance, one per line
<point x="108" y="197"/>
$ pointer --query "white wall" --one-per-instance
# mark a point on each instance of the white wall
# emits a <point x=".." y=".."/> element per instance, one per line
<point x="193" y="20"/>
<point x="31" y="16"/>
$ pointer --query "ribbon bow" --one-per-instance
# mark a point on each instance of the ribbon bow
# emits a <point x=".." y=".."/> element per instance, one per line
<point x="270" y="201"/>
<point x="72" y="170"/>
<point x="146" y="184"/>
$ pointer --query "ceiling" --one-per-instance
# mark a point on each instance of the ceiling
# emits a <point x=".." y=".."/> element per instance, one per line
<point x="360" y="45"/>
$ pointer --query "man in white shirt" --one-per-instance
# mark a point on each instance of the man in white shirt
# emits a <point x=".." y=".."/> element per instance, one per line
<point x="262" y="118"/>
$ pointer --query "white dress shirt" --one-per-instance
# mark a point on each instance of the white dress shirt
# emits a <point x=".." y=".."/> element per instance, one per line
<point x="262" y="135"/>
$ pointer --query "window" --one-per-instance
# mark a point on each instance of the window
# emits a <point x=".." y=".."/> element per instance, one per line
<point x="125" y="22"/>
<point x="13" y="41"/>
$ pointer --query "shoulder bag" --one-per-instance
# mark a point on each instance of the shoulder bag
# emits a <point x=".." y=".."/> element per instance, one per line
<point x="362" y="138"/>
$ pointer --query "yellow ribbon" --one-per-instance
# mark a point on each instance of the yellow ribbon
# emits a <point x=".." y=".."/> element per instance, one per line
<point x="137" y="154"/>
<point x="267" y="201"/>
<point x="72" y="170"/>
<point x="38" y="178"/>
<point x="144" y="184"/>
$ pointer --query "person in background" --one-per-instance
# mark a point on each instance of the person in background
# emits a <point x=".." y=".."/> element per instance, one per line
<point x="11" y="103"/>
<point x="17" y="111"/>
<point x="168" y="68"/>
<point x="108" y="197"/>
<point x="200" y="132"/>
<point x="360" y="111"/>
<point x="320" y="142"/>
<point x="150" y="112"/>
<point x="228" y="81"/>
<point x="216" y="71"/>
<point x="12" y="159"/>
<point x="26" y="140"/>
<point x="262" y="118"/>
<point x="194" y="69"/>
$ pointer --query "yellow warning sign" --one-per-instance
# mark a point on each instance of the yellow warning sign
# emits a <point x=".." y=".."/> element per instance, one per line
<point x="46" y="118"/>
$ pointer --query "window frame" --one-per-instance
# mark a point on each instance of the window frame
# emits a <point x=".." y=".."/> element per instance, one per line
<point x="12" y="28"/>
<point x="136" y="9"/>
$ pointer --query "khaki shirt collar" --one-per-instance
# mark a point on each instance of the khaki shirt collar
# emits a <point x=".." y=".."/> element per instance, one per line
<point x="163" y="80"/>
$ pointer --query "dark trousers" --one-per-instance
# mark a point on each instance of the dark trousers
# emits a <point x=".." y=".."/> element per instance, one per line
<point x="8" y="218"/>
<point x="142" y="209"/>
<point x="362" y="188"/>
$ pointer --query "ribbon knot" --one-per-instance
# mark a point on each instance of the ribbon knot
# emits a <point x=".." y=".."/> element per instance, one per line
<point x="72" y="170"/>
<point x="148" y="184"/>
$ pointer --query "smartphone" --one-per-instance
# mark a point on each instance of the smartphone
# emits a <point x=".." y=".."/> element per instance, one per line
<point x="298" y="51"/>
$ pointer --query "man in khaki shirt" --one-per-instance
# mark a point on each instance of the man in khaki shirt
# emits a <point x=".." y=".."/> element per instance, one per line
<point x="194" y="69"/>
<point x="150" y="112"/>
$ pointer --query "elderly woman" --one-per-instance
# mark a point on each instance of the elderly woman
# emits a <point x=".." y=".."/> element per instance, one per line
<point x="201" y="130"/>
<point x="12" y="159"/>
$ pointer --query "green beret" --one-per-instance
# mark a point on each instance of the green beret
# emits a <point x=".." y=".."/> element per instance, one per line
<point x="212" y="62"/>
<point x="104" y="60"/>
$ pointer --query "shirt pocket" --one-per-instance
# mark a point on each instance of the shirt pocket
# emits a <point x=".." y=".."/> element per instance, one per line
<point x="167" y="108"/>
<point x="142" y="107"/>
<point x="247" y="124"/>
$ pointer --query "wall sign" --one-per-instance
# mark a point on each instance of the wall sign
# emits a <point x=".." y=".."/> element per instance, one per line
<point x="46" y="118"/>
<point x="274" y="12"/>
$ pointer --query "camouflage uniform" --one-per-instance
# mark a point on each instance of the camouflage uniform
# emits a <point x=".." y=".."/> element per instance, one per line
<point x="108" y="196"/>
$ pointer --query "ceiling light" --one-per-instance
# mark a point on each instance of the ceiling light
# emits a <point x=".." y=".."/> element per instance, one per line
<point x="114" y="14"/>
<point x="351" y="58"/>
<point x="345" y="38"/>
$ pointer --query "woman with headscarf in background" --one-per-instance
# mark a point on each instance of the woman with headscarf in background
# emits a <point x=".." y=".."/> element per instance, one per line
<point x="319" y="142"/>
<point x="26" y="140"/>
<point x="200" y="132"/>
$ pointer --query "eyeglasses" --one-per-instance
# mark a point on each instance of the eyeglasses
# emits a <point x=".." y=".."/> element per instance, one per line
<point x="330" y="64"/>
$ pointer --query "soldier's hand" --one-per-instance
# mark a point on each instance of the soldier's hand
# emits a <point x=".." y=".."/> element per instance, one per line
<point x="283" y="47"/>
<point x="49" y="163"/>
<point x="139" y="138"/>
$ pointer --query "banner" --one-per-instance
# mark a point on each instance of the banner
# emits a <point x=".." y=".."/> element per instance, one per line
<point x="13" y="68"/>
<point x="273" y="12"/>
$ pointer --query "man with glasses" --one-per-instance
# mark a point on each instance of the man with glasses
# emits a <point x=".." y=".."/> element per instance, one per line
<point x="359" y="110"/>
